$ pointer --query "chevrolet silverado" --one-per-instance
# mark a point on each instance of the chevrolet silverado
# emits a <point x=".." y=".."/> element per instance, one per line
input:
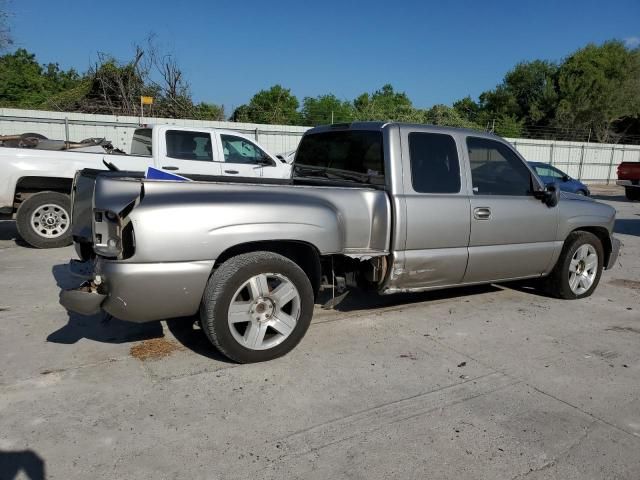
<point x="385" y="206"/>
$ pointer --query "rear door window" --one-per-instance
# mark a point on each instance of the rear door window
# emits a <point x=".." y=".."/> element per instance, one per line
<point x="186" y="145"/>
<point x="435" y="167"/>
<point x="141" y="144"/>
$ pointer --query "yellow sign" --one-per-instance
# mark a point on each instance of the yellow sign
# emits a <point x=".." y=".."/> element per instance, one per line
<point x="146" y="100"/>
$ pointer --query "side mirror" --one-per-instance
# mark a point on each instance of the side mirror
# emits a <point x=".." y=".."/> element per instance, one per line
<point x="566" y="178"/>
<point x="550" y="196"/>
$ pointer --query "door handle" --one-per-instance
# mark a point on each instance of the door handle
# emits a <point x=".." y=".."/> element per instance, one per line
<point x="170" y="167"/>
<point x="233" y="172"/>
<point x="482" y="213"/>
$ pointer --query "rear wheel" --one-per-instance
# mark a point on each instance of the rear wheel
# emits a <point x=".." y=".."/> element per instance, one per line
<point x="632" y="193"/>
<point x="44" y="220"/>
<point x="257" y="306"/>
<point x="578" y="270"/>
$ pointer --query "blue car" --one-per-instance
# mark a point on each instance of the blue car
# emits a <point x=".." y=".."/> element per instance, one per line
<point x="549" y="174"/>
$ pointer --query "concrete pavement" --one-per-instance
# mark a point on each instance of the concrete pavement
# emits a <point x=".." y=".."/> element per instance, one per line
<point x="490" y="382"/>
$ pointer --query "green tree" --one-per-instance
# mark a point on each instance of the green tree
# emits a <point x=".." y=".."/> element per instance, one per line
<point x="326" y="109"/>
<point x="599" y="87"/>
<point x="209" y="111"/>
<point x="527" y="96"/>
<point x="507" y="126"/>
<point x="277" y="105"/>
<point x="467" y="108"/>
<point x="447" y="116"/>
<point x="387" y="105"/>
<point x="24" y="83"/>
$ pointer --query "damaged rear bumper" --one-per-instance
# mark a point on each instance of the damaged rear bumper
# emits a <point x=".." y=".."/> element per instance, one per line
<point x="85" y="300"/>
<point x="137" y="292"/>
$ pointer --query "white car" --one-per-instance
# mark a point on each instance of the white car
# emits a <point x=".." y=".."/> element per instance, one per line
<point x="35" y="185"/>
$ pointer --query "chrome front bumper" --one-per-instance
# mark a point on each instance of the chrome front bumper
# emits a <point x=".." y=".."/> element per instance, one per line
<point x="138" y="292"/>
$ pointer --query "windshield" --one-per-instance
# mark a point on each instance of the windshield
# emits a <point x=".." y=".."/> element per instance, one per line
<point x="354" y="155"/>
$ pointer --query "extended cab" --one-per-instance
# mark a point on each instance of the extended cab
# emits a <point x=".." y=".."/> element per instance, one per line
<point x="35" y="184"/>
<point x="629" y="178"/>
<point x="387" y="207"/>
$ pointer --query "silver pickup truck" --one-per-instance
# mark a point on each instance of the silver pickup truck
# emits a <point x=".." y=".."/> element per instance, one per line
<point x="386" y="206"/>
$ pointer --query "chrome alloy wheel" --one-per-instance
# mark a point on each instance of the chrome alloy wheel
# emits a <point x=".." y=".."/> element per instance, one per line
<point x="583" y="269"/>
<point x="50" y="220"/>
<point x="264" y="311"/>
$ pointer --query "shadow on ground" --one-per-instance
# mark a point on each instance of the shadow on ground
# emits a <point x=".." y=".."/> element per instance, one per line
<point x="627" y="226"/>
<point x="9" y="231"/>
<point x="21" y="464"/>
<point x="187" y="332"/>
<point x="362" y="300"/>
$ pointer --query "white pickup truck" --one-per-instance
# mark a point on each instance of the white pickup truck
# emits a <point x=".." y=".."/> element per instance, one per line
<point x="35" y="185"/>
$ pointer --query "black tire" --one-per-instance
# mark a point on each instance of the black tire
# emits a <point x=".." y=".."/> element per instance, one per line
<point x="557" y="283"/>
<point x="35" y="237"/>
<point x="225" y="282"/>
<point x="581" y="192"/>
<point x="632" y="193"/>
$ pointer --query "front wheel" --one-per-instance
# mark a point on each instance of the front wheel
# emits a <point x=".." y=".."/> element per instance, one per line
<point x="44" y="220"/>
<point x="256" y="307"/>
<point x="578" y="271"/>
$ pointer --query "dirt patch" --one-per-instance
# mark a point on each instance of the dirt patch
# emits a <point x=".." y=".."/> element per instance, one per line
<point x="154" y="348"/>
<point x="623" y="282"/>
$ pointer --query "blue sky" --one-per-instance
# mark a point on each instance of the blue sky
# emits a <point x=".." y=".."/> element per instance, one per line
<point x="437" y="52"/>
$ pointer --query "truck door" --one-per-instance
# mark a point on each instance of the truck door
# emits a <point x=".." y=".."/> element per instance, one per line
<point x="437" y="211"/>
<point x="513" y="234"/>
<point x="188" y="152"/>
<point x="241" y="157"/>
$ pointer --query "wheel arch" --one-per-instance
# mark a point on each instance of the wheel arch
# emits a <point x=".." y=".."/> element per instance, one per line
<point x="603" y="235"/>
<point x="304" y="254"/>
<point x="29" y="185"/>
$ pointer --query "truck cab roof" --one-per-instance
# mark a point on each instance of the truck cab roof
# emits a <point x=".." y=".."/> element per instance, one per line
<point x="376" y="125"/>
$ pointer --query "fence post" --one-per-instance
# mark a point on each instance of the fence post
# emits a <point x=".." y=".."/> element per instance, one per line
<point x="551" y="154"/>
<point x="581" y="162"/>
<point x="613" y="150"/>
<point x="256" y="135"/>
<point x="66" y="130"/>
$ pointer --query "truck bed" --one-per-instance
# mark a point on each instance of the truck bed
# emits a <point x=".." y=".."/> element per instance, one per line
<point x="202" y="216"/>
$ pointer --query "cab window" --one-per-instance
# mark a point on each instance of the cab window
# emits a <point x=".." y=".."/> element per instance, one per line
<point x="434" y="163"/>
<point x="187" y="145"/>
<point x="240" y="150"/>
<point x="496" y="169"/>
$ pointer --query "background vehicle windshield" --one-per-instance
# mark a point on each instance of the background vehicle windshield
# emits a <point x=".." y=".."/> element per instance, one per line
<point x="357" y="151"/>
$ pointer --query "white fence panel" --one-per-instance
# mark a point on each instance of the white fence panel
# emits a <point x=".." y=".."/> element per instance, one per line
<point x="591" y="162"/>
<point x="119" y="129"/>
